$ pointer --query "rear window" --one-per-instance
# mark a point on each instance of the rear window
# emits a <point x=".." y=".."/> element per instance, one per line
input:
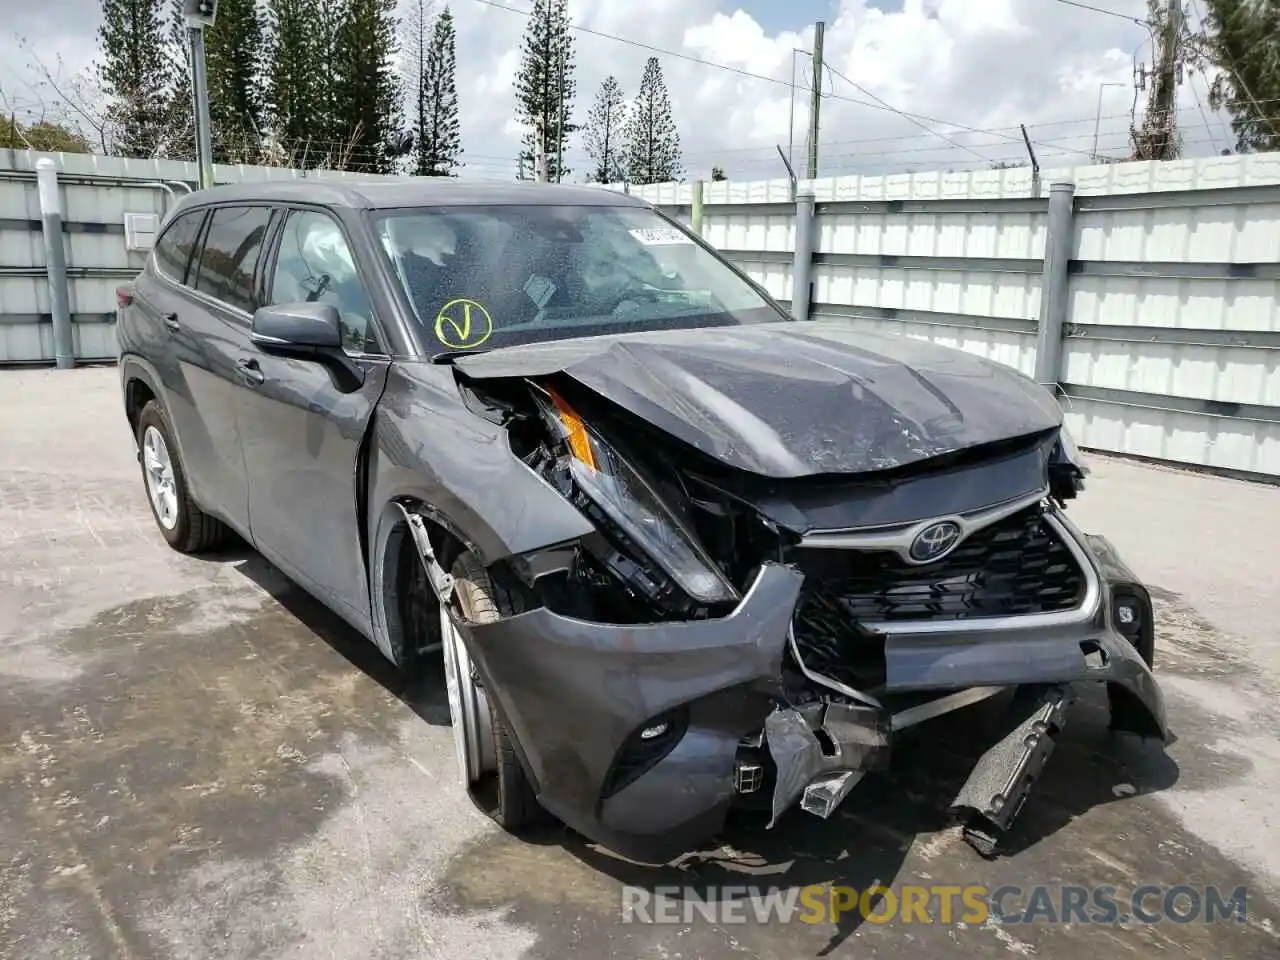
<point x="491" y="276"/>
<point x="230" y="254"/>
<point x="173" y="249"/>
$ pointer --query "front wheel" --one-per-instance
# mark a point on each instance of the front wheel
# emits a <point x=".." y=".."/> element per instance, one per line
<point x="486" y="757"/>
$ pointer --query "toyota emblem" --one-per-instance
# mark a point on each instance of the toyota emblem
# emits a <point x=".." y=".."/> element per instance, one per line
<point x="935" y="541"/>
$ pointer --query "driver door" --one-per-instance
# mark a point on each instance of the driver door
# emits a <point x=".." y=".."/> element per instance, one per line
<point x="301" y="433"/>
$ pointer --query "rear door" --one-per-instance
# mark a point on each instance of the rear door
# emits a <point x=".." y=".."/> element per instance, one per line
<point x="215" y="322"/>
<point x="302" y="434"/>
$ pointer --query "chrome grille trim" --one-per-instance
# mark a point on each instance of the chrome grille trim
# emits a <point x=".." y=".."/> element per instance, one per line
<point x="1085" y="610"/>
<point x="898" y="537"/>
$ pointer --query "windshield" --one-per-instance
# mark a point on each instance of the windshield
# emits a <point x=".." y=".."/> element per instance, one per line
<point x="494" y="276"/>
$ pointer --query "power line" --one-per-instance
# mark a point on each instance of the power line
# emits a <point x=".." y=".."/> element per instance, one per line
<point x="1109" y="13"/>
<point x="1003" y="133"/>
<point x="1226" y="130"/>
<point x="1237" y="78"/>
<point x="644" y="46"/>
<point x="1006" y="137"/>
<point x="735" y="70"/>
<point x="935" y="133"/>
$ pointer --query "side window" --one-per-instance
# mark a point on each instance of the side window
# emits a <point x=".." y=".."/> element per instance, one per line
<point x="315" y="265"/>
<point x="230" y="253"/>
<point x="173" y="249"/>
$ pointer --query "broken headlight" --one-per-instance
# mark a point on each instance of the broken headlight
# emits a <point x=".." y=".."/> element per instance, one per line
<point x="1070" y="452"/>
<point x="631" y="503"/>
<point x="1067" y="468"/>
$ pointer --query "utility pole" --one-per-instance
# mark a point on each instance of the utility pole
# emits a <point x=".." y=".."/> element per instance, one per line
<point x="200" y="14"/>
<point x="543" y="118"/>
<point x="1157" y="139"/>
<point x="815" y="101"/>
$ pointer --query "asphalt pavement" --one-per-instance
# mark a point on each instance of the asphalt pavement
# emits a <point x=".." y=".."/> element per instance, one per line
<point x="197" y="760"/>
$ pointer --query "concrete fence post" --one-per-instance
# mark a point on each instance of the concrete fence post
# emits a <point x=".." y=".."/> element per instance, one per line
<point x="802" y="269"/>
<point x="695" y="217"/>
<point x="1054" y="285"/>
<point x="56" y="262"/>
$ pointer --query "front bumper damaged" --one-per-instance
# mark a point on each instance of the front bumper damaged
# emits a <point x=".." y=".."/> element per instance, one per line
<point x="634" y="735"/>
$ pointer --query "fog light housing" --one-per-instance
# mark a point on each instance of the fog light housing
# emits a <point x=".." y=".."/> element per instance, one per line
<point x="1134" y="619"/>
<point x="647" y="745"/>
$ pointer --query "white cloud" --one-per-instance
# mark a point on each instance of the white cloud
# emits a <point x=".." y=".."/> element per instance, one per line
<point x="973" y="63"/>
<point x="970" y="63"/>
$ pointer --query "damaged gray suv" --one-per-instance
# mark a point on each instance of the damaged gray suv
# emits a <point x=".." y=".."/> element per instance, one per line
<point x="677" y="551"/>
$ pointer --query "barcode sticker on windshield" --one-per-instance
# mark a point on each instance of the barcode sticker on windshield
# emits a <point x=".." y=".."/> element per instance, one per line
<point x="659" y="236"/>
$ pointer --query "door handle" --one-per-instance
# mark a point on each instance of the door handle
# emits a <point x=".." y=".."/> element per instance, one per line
<point x="250" y="372"/>
<point x="171" y="321"/>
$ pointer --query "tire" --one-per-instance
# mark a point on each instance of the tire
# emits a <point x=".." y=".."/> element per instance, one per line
<point x="420" y="624"/>
<point x="182" y="523"/>
<point x="510" y="801"/>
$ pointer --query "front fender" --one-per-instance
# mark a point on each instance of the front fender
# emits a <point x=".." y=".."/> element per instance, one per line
<point x="428" y="447"/>
<point x="458" y="470"/>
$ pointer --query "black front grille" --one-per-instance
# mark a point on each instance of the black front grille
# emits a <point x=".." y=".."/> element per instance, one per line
<point x="1014" y="567"/>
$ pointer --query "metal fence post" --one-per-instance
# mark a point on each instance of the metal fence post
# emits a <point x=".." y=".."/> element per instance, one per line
<point x="695" y="217"/>
<point x="55" y="261"/>
<point x="1054" y="289"/>
<point x="802" y="269"/>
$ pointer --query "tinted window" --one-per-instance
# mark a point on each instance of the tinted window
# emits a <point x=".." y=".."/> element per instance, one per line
<point x="230" y="252"/>
<point x="173" y="249"/>
<point x="492" y="276"/>
<point x="315" y="265"/>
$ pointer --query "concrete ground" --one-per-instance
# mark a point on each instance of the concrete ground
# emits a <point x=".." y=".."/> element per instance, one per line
<point x="198" y="761"/>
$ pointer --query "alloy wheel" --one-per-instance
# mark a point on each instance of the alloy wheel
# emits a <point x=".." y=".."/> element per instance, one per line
<point x="162" y="484"/>
<point x="468" y="707"/>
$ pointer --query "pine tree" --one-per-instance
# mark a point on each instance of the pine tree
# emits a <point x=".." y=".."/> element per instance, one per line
<point x="653" y="143"/>
<point x="180" y="103"/>
<point x="545" y="86"/>
<point x="438" y="140"/>
<point x="415" y="40"/>
<point x="366" y="95"/>
<point x="603" y="133"/>
<point x="233" y="57"/>
<point x="234" y="49"/>
<point x="294" y="80"/>
<point x="1241" y="40"/>
<point x="136" y="75"/>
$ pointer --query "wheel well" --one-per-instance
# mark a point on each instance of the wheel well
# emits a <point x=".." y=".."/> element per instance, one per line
<point x="137" y="394"/>
<point x="400" y="553"/>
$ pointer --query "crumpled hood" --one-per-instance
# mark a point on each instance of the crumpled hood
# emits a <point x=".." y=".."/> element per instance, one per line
<point x="795" y="399"/>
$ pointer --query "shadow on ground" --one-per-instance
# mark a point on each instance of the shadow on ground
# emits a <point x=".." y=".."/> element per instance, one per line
<point x="867" y="841"/>
<point x="895" y="829"/>
<point x="423" y="694"/>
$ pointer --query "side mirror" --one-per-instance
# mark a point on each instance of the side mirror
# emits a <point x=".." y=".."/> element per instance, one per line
<point x="309" y="331"/>
<point x="297" y="328"/>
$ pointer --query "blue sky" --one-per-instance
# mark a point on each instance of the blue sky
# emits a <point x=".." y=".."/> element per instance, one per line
<point x="776" y="15"/>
